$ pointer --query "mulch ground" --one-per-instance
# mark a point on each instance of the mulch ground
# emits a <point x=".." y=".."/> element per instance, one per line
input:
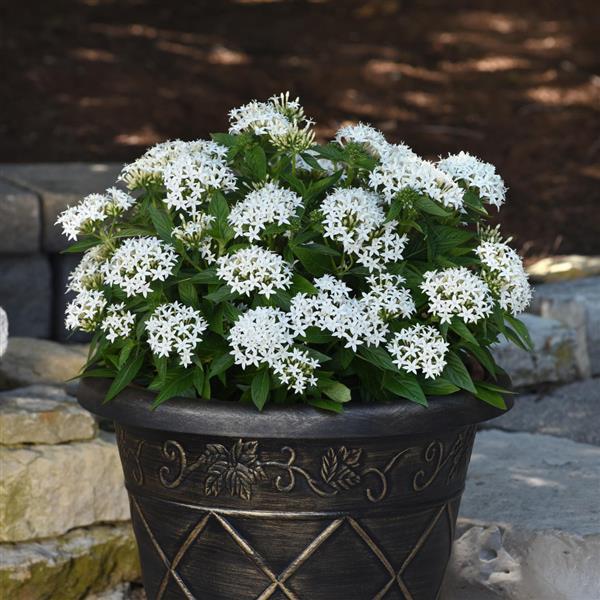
<point x="513" y="82"/>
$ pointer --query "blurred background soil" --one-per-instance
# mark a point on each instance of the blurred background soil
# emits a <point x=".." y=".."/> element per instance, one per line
<point x="516" y="83"/>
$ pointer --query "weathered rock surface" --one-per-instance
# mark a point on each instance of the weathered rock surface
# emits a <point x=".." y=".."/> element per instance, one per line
<point x="30" y="361"/>
<point x="124" y="591"/>
<point x="3" y="331"/>
<point x="530" y="521"/>
<point x="553" y="358"/>
<point x="20" y="220"/>
<point x="569" y="411"/>
<point x="59" y="188"/>
<point x="576" y="304"/>
<point x="564" y="268"/>
<point x="82" y="562"/>
<point x="26" y="294"/>
<point x="43" y="415"/>
<point x="47" y="490"/>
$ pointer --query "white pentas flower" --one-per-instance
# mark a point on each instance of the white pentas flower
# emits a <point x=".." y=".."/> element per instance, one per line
<point x="192" y="232"/>
<point x="387" y="296"/>
<point x="118" y="322"/>
<point x="281" y="119"/>
<point x="264" y="335"/>
<point x="270" y="204"/>
<point x="505" y="275"/>
<point x="400" y="168"/>
<point x="190" y="177"/>
<point x="87" y="274"/>
<point x="85" y="310"/>
<point x="419" y="348"/>
<point x="137" y="263"/>
<point x="475" y="173"/>
<point x="332" y="309"/>
<point x="82" y="218"/>
<point x="355" y="218"/>
<point x="255" y="269"/>
<point x="457" y="292"/>
<point x="371" y="139"/>
<point x="175" y="328"/>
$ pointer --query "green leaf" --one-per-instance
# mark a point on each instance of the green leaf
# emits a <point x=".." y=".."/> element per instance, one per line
<point x="314" y="261"/>
<point x="188" y="293"/>
<point x="325" y="404"/>
<point x="461" y="329"/>
<point x="377" y="356"/>
<point x="162" y="223"/>
<point x="81" y="246"/>
<point x="521" y="329"/>
<point x="301" y="284"/>
<point x="223" y="293"/>
<point x="428" y="206"/>
<point x="220" y="365"/>
<point x="405" y="386"/>
<point x="198" y="379"/>
<point x="219" y="209"/>
<point x="456" y="373"/>
<point x="125" y="376"/>
<point x="206" y="276"/>
<point x="125" y="352"/>
<point x="490" y="395"/>
<point x="256" y="160"/>
<point x="484" y="357"/>
<point x="100" y="372"/>
<point x="439" y="387"/>
<point x="176" y="383"/>
<point x="314" y="335"/>
<point x="225" y="139"/>
<point x="261" y="383"/>
<point x="337" y="391"/>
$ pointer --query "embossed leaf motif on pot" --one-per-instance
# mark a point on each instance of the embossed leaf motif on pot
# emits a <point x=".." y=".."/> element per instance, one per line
<point x="234" y="470"/>
<point x="339" y="467"/>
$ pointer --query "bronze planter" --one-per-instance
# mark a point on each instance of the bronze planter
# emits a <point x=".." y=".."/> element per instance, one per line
<point x="231" y="504"/>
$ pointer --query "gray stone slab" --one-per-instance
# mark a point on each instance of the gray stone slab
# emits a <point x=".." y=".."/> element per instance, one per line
<point x="41" y="414"/>
<point x="29" y="361"/>
<point x="553" y="359"/>
<point x="60" y="185"/>
<point x="26" y="294"/>
<point x="534" y="481"/>
<point x="576" y="304"/>
<point x="3" y="331"/>
<point x="20" y="220"/>
<point x="62" y="265"/>
<point x="571" y="411"/>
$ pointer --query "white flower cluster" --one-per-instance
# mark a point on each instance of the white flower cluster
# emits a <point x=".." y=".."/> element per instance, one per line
<point x="93" y="209"/>
<point x="192" y="233"/>
<point x="87" y="274"/>
<point x="255" y="269"/>
<point x="138" y="262"/>
<point x="355" y="320"/>
<point x="282" y="120"/>
<point x="264" y="335"/>
<point x="193" y="174"/>
<point x="268" y="204"/>
<point x="175" y="327"/>
<point x="355" y="218"/>
<point x="387" y="296"/>
<point x="84" y="311"/>
<point x="371" y="139"/>
<point x="400" y="168"/>
<point x="118" y="322"/>
<point x="457" y="292"/>
<point x="504" y="273"/>
<point x="476" y="173"/>
<point x="419" y="348"/>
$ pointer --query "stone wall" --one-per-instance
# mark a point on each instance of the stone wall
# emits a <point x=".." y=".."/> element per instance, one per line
<point x="33" y="273"/>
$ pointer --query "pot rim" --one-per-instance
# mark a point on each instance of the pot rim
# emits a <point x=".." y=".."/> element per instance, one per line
<point x="233" y="419"/>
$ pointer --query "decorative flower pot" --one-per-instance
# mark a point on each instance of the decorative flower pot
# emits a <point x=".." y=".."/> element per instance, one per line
<point x="229" y="503"/>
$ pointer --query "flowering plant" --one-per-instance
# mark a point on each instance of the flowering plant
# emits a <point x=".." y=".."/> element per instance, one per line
<point x="260" y="266"/>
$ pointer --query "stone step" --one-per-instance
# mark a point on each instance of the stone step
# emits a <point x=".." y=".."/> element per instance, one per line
<point x="71" y="567"/>
<point x="569" y="411"/>
<point x="30" y="361"/>
<point x="41" y="414"/>
<point x="564" y="268"/>
<point x="553" y="359"/>
<point x="3" y="331"/>
<point x="46" y="490"/>
<point x="576" y="304"/>
<point x="529" y="526"/>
